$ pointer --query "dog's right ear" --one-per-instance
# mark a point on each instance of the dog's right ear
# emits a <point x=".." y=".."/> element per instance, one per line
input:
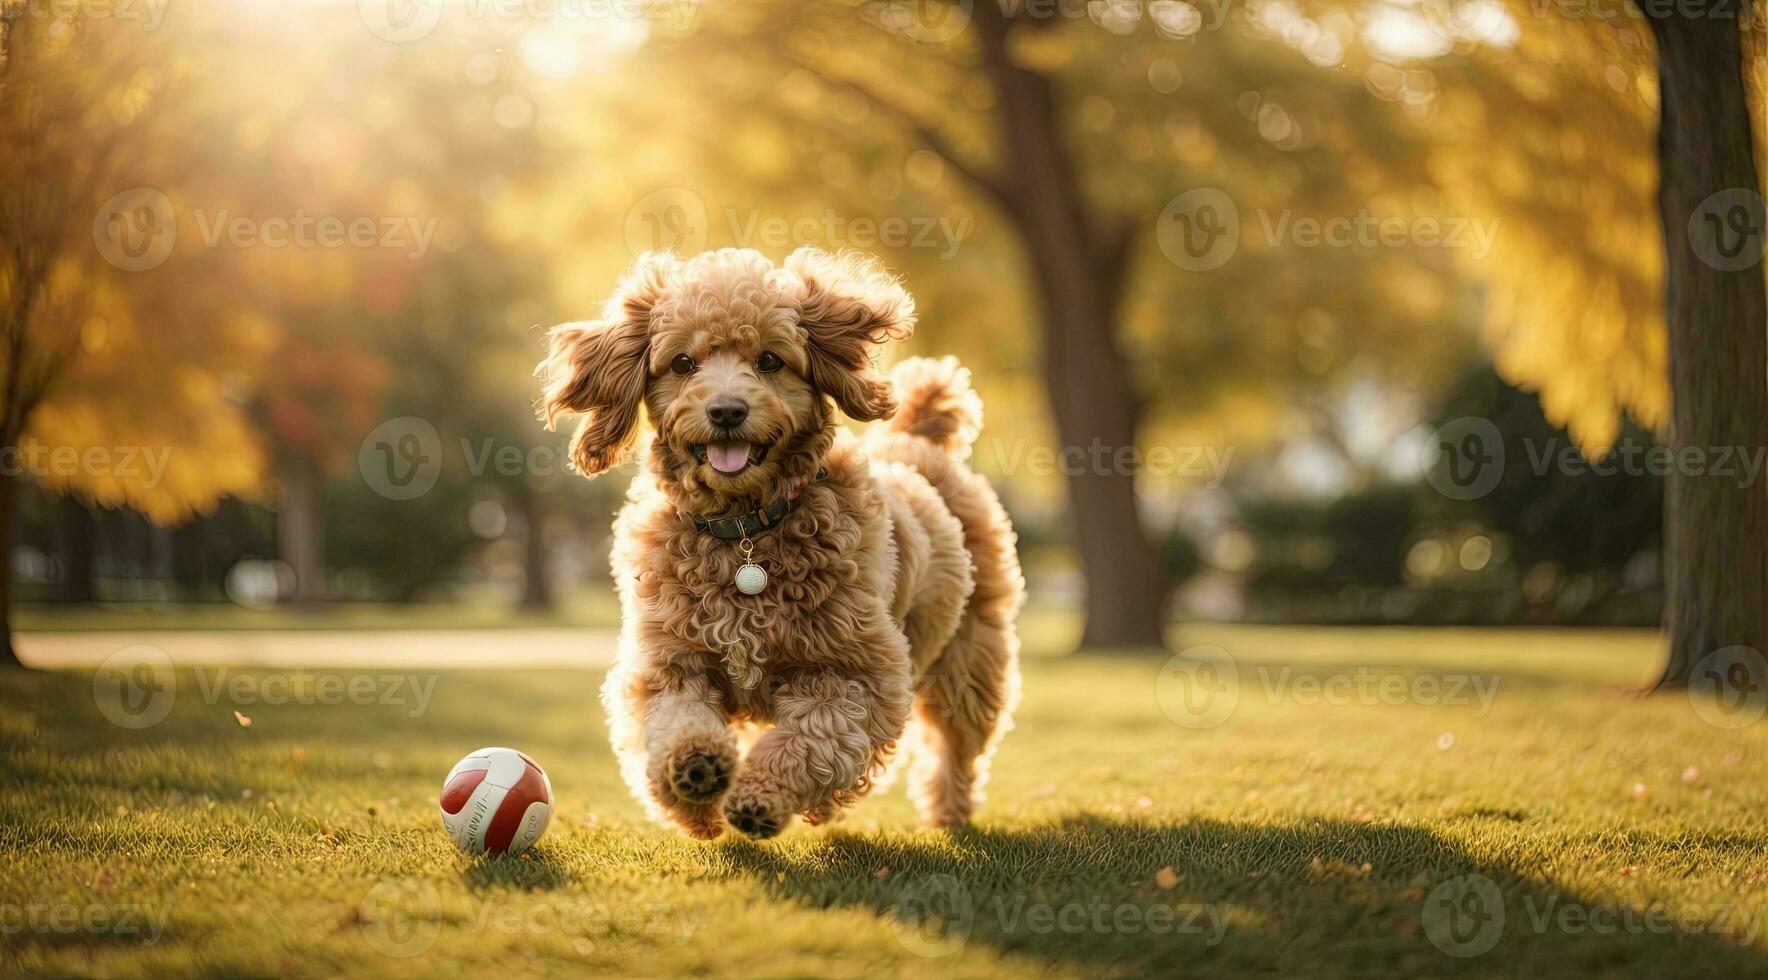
<point x="597" y="368"/>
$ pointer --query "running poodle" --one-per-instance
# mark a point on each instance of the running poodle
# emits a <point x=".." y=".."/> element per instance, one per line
<point x="780" y="579"/>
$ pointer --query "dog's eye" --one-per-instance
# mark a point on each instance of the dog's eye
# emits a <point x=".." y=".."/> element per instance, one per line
<point x="769" y="362"/>
<point x="682" y="364"/>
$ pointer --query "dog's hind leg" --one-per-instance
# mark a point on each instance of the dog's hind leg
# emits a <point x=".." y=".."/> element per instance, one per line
<point x="963" y="706"/>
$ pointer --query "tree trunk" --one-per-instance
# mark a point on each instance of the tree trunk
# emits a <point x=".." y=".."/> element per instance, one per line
<point x="74" y="544"/>
<point x="1716" y="529"/>
<point x="536" y="581"/>
<point x="1091" y="395"/>
<point x="300" y="527"/>
<point x="8" y="656"/>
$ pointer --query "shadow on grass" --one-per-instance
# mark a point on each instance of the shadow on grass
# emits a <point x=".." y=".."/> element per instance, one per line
<point x="537" y="871"/>
<point x="1316" y="897"/>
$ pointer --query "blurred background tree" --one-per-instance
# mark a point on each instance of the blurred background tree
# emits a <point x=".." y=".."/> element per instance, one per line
<point x="1045" y="163"/>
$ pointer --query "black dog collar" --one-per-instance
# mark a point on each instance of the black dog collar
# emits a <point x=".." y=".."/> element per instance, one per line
<point x="754" y="522"/>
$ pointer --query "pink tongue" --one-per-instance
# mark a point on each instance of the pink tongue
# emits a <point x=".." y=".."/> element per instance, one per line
<point x="727" y="457"/>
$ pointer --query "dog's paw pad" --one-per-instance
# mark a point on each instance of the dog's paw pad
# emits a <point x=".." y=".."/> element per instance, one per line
<point x="699" y="778"/>
<point x="752" y="820"/>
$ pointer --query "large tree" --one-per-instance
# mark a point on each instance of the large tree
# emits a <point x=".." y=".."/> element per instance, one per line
<point x="1070" y="130"/>
<point x="1716" y="311"/>
<point x="110" y="377"/>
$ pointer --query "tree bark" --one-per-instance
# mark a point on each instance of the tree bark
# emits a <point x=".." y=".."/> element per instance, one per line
<point x="74" y="542"/>
<point x="8" y="656"/>
<point x="1716" y="529"/>
<point x="1096" y="409"/>
<point x="300" y="527"/>
<point x="536" y="580"/>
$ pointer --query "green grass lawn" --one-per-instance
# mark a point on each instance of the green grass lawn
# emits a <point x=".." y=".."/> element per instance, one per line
<point x="1314" y="805"/>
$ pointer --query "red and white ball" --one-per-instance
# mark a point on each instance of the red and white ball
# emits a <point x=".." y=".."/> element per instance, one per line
<point x="496" y="801"/>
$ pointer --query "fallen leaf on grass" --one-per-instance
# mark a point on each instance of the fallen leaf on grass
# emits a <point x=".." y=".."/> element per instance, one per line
<point x="244" y="722"/>
<point x="1167" y="878"/>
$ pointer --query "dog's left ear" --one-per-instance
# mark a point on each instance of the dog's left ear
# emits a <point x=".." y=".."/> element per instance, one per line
<point x="850" y="307"/>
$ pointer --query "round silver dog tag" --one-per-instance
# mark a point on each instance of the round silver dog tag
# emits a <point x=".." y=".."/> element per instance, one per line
<point x="751" y="578"/>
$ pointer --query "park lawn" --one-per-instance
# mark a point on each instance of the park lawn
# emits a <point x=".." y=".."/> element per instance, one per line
<point x="1302" y="834"/>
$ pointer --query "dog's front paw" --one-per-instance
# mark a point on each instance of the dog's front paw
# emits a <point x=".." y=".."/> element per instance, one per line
<point x="754" y="817"/>
<point x="697" y="776"/>
<point x="693" y="772"/>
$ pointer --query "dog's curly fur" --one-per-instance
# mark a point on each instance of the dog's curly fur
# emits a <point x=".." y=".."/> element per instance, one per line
<point x="893" y="586"/>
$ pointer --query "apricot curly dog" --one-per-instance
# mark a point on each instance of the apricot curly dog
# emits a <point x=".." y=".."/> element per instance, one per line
<point x="780" y="579"/>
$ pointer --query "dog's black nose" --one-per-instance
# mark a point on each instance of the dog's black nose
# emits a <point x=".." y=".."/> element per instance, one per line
<point x="728" y="413"/>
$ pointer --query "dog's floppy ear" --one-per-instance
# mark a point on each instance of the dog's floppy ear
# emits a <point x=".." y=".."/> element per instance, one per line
<point x="849" y="308"/>
<point x="597" y="368"/>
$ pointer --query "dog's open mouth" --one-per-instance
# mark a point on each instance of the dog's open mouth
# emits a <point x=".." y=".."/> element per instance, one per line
<point x="730" y="457"/>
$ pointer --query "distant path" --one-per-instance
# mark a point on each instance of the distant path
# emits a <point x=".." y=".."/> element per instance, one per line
<point x="573" y="647"/>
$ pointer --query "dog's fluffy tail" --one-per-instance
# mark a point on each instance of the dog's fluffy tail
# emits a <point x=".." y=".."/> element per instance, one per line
<point x="935" y="402"/>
